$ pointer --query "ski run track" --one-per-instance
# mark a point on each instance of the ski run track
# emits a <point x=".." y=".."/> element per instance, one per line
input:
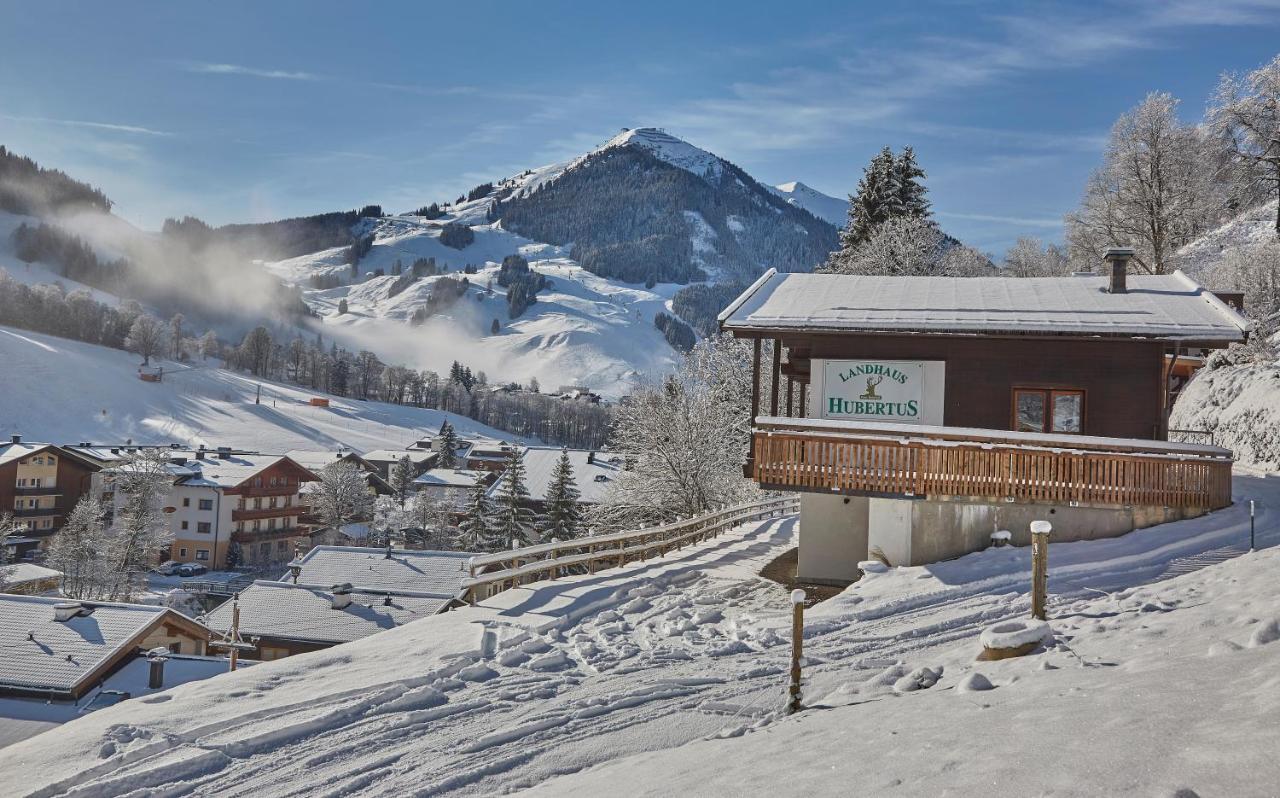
<point x="590" y="670"/>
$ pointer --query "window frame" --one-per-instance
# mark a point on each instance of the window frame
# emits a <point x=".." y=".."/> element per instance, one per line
<point x="1050" y="394"/>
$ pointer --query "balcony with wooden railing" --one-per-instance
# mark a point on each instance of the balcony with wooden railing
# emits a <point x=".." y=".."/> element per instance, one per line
<point x="282" y="511"/>
<point x="908" y="461"/>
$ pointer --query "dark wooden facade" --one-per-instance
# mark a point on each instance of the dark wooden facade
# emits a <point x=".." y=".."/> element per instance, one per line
<point x="74" y="477"/>
<point x="1123" y="379"/>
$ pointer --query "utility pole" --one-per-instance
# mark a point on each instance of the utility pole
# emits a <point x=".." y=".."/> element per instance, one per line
<point x="231" y="640"/>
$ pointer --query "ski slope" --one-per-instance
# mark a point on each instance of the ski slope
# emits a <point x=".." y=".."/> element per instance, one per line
<point x="64" y="391"/>
<point x="666" y="678"/>
<point x="583" y="330"/>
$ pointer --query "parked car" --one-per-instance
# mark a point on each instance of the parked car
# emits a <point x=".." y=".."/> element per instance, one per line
<point x="168" y="568"/>
<point x="190" y="569"/>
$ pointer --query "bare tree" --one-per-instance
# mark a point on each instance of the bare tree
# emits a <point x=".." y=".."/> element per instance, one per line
<point x="341" y="496"/>
<point x="902" y="245"/>
<point x="77" y="549"/>
<point x="146" y="337"/>
<point x="1245" y="111"/>
<point x="139" y="533"/>
<point x="1156" y="190"/>
<point x="1029" y="257"/>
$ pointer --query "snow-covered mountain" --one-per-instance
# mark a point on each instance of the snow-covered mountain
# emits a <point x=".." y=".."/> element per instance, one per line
<point x="831" y="209"/>
<point x="616" y="231"/>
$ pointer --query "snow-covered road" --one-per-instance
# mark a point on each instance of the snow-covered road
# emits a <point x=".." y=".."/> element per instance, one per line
<point x="589" y="669"/>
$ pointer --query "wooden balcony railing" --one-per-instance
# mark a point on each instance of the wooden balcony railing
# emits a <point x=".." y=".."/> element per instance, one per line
<point x="249" y="513"/>
<point x="919" y="461"/>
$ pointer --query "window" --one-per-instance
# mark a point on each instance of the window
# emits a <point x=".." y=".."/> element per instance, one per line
<point x="271" y="523"/>
<point x="1048" y="410"/>
<point x="51" y="460"/>
<point x="22" y="482"/>
<point x="184" y="524"/>
<point x="186" y="501"/>
<point x="282" y="545"/>
<point x="239" y="526"/>
<point x="265" y="549"/>
<point x="175" y="648"/>
<point x="204" y="527"/>
<point x="182" y="552"/>
<point x="202" y="554"/>
<point x="272" y="503"/>
<point x="206" y="504"/>
<point x="46" y="523"/>
<point x="288" y="501"/>
<point x="257" y="525"/>
<point x="257" y="504"/>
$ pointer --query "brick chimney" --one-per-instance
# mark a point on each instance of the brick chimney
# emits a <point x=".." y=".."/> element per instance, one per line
<point x="1117" y="259"/>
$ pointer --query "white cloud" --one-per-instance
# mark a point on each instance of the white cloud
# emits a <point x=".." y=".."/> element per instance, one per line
<point x="238" y="69"/>
<point x="118" y="128"/>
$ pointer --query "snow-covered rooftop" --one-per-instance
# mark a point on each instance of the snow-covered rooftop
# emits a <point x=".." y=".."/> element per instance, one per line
<point x="416" y="456"/>
<point x="305" y="612"/>
<point x="435" y="572"/>
<point x="43" y="653"/>
<point x="1169" y="306"/>
<point x="21" y="572"/>
<point x="449" y="478"/>
<point x="591" y="478"/>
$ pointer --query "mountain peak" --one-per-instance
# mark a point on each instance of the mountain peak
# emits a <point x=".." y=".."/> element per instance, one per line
<point x="669" y="148"/>
<point x="828" y="208"/>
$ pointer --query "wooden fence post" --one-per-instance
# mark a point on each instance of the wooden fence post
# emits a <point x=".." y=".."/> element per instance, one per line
<point x="1039" y="567"/>
<point x="797" y="648"/>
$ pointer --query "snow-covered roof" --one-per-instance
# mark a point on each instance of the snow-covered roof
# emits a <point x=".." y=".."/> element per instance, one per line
<point x="316" y="460"/>
<point x="19" y="451"/>
<point x="437" y="573"/>
<point x="1168" y="306"/>
<point x="43" y="653"/>
<point x="449" y="478"/>
<point x="592" y="479"/>
<point x="21" y="572"/>
<point x="305" y="612"/>
<point x="416" y="456"/>
<point x="223" y="472"/>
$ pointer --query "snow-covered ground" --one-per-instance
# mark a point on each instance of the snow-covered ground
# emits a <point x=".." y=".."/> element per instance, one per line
<point x="1240" y="405"/>
<point x="583" y="330"/>
<point x="65" y="391"/>
<point x="666" y="677"/>
<point x="1254" y="227"/>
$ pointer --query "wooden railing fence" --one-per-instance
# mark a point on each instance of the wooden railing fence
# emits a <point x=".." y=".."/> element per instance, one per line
<point x="493" y="573"/>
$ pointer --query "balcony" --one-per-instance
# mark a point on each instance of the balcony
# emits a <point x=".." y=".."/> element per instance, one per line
<point x="44" y="490"/>
<point x="263" y="535"/>
<point x="266" y="490"/>
<point x="901" y="461"/>
<point x="249" y="514"/>
<point x="35" y="512"/>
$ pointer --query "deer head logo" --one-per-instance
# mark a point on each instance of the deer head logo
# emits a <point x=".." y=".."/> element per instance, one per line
<point x="872" y="382"/>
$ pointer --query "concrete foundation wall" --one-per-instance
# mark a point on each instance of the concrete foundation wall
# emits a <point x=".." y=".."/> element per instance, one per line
<point x="833" y="537"/>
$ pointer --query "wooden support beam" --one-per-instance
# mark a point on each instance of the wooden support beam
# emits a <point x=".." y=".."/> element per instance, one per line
<point x="790" y="397"/>
<point x="755" y="381"/>
<point x="773" y="383"/>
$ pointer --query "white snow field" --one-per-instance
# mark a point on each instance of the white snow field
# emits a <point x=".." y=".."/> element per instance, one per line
<point x="63" y="391"/>
<point x="583" y="330"/>
<point x="666" y="678"/>
<point x="1240" y="404"/>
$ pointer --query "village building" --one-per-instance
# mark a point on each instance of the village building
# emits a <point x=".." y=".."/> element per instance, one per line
<point x="336" y="594"/>
<point x="59" y="649"/>
<point x="450" y="486"/>
<point x="384" y="459"/>
<point x="593" y="473"/>
<point x="231" y="507"/>
<point x="39" y="485"/>
<point x="486" y="454"/>
<point x="63" y="658"/>
<point x="29" y="579"/>
<point x="315" y="462"/>
<point x="918" y="415"/>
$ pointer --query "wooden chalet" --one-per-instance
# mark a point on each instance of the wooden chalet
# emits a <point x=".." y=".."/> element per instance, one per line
<point x="917" y="415"/>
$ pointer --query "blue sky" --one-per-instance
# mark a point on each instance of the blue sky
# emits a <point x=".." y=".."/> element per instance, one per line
<point x="252" y="111"/>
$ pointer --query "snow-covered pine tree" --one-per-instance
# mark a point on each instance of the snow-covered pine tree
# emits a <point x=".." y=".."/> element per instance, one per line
<point x="8" y="527"/>
<point x="448" y="447"/>
<point x="909" y="199"/>
<point x="475" y="533"/>
<point x="402" y="476"/>
<point x="514" y="521"/>
<point x="564" y="516"/>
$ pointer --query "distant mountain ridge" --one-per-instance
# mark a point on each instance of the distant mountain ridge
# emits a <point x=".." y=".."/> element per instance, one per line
<point x="831" y="209"/>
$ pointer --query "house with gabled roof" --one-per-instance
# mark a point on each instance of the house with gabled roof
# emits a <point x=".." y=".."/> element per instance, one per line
<point x="917" y="415"/>
<point x="40" y="483"/>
